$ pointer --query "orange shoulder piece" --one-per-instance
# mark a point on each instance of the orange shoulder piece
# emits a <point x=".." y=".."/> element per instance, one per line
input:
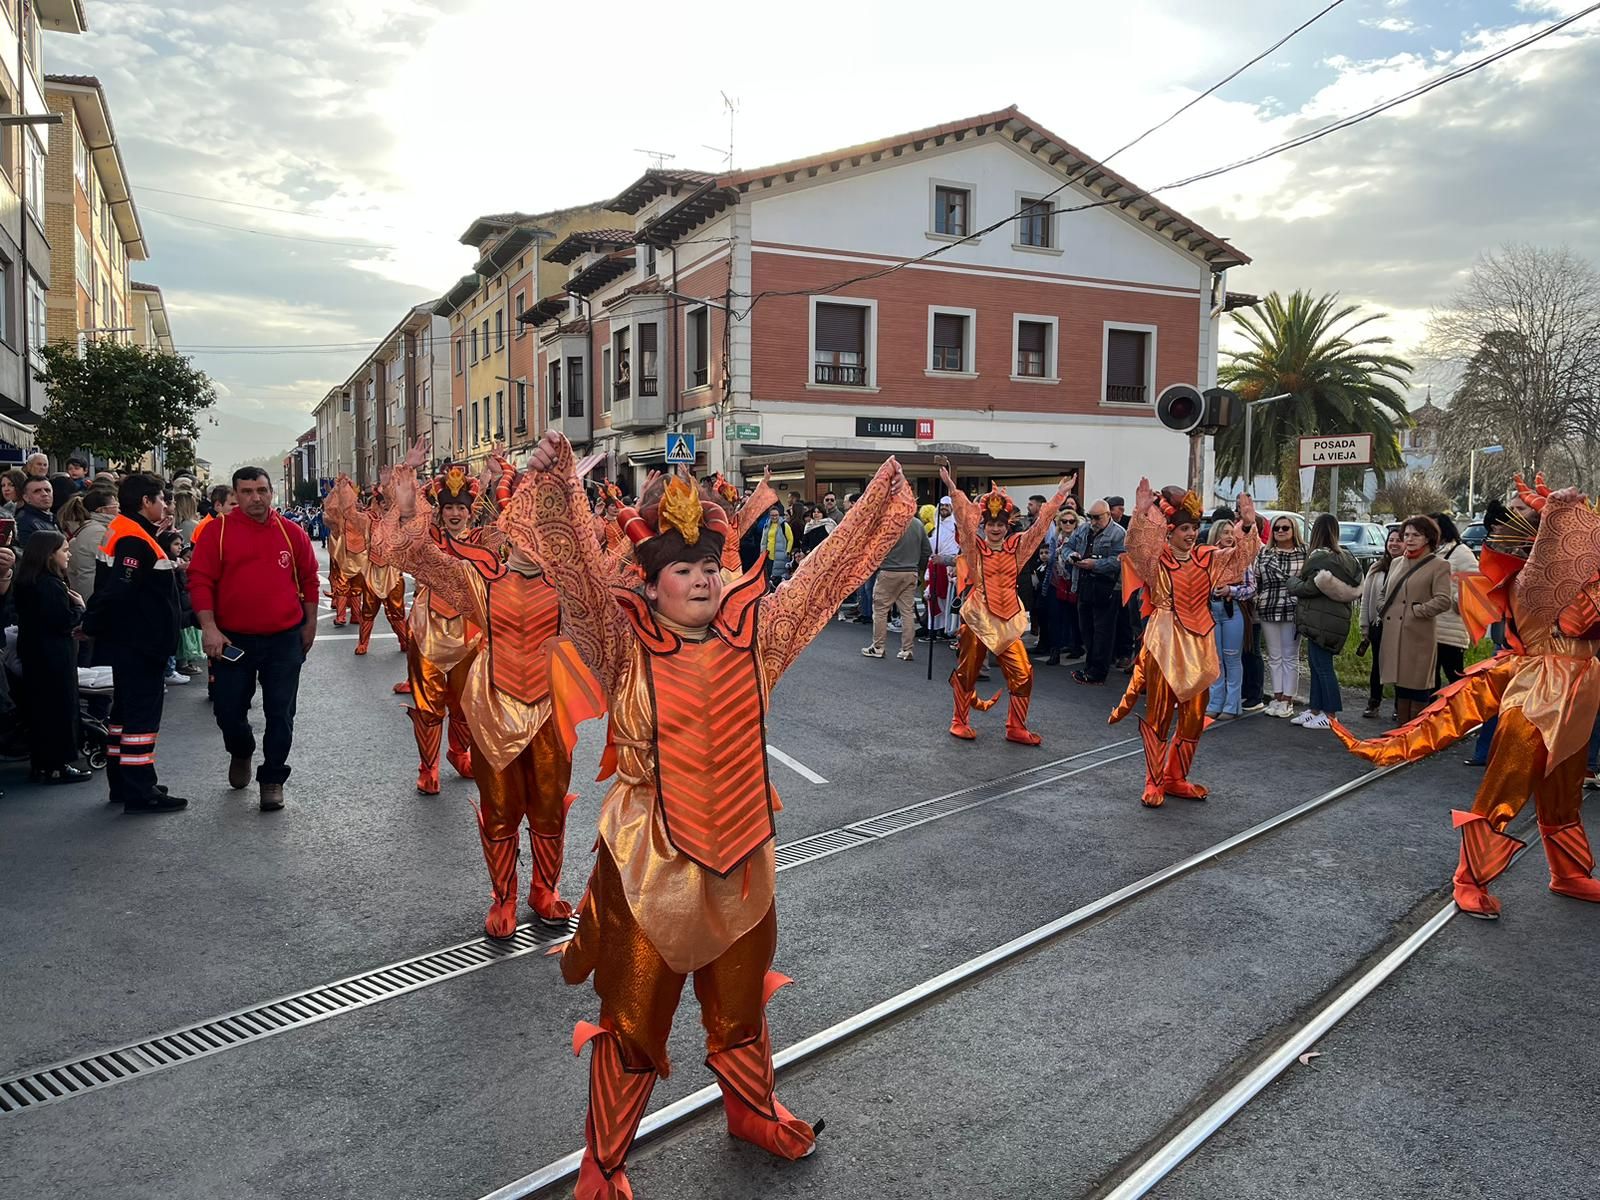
<point x="1131" y="583"/>
<point x="575" y="694"/>
<point x="736" y="617"/>
<point x="656" y="639"/>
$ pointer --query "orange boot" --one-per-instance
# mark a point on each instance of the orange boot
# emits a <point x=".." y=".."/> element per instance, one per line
<point x="364" y="629"/>
<point x="1571" y="861"/>
<point x="427" y="729"/>
<point x="618" y="1095"/>
<point x="501" y="856"/>
<point x="1485" y="853"/>
<point x="745" y="1075"/>
<point x="1176" y="780"/>
<point x="1017" y="722"/>
<point x="1155" y="765"/>
<point x="960" y="726"/>
<point x="548" y="851"/>
<point x="460" y="752"/>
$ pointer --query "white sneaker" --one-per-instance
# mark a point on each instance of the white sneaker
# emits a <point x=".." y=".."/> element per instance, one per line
<point x="871" y="652"/>
<point x="1318" y="721"/>
<point x="176" y="677"/>
<point x="895" y="626"/>
<point x="906" y="655"/>
<point x="1303" y="718"/>
<point x="1274" y="708"/>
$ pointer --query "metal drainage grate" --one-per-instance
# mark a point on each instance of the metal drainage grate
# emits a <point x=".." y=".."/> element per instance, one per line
<point x="64" y="1080"/>
<point x="818" y="845"/>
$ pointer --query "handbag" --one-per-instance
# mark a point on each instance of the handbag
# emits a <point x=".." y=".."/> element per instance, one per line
<point x="190" y="647"/>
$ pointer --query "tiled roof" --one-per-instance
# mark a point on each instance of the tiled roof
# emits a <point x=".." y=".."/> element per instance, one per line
<point x="655" y="182"/>
<point x="73" y="80"/>
<point x="575" y="245"/>
<point x="650" y="287"/>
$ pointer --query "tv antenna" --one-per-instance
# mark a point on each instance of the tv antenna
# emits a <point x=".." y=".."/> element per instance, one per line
<point x="727" y="152"/>
<point x="658" y="158"/>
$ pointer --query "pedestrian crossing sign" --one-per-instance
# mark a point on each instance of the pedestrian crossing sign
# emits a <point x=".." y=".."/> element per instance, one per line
<point x="680" y="448"/>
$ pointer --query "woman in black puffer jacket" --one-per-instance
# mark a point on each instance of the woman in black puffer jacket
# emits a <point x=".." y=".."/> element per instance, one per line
<point x="1326" y="588"/>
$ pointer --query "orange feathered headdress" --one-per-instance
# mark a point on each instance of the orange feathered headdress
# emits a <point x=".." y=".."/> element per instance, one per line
<point x="454" y="486"/>
<point x="995" y="504"/>
<point x="1179" y="505"/>
<point x="675" y="522"/>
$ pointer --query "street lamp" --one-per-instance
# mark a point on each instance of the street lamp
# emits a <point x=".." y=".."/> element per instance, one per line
<point x="1249" y="475"/>
<point x="1472" y="473"/>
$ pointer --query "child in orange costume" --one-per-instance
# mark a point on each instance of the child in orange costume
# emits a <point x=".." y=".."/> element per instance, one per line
<point x="338" y="585"/>
<point x="684" y="870"/>
<point x="992" y="617"/>
<point x="520" y="761"/>
<point x="1178" y="661"/>
<point x="1541" y="576"/>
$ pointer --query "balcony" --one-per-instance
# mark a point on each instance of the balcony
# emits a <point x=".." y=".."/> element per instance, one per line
<point x="840" y="375"/>
<point x="1127" y="393"/>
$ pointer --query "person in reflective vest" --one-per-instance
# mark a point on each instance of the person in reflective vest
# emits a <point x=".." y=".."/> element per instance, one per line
<point x="1178" y="660"/>
<point x="684" y="867"/>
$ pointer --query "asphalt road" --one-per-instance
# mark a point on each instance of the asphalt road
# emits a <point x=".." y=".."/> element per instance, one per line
<point x="1048" y="1076"/>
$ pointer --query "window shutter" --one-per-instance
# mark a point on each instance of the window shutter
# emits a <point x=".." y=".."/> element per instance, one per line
<point x="647" y="339"/>
<point x="841" y="328"/>
<point x="1125" y="358"/>
<point x="1031" y="336"/>
<point x="949" y="329"/>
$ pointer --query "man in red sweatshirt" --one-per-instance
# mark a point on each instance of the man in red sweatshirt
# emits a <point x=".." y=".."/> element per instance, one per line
<point x="253" y="586"/>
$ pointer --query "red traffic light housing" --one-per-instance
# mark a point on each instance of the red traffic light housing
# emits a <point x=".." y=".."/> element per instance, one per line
<point x="1185" y="409"/>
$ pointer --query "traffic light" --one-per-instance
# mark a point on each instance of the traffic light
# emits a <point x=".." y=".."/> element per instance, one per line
<point x="1185" y="409"/>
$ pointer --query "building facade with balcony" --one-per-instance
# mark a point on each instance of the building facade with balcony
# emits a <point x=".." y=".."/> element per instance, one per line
<point x="90" y="217"/>
<point x="1017" y="351"/>
<point x="335" y="442"/>
<point x="25" y="257"/>
<point x="152" y="327"/>
<point x="400" y="392"/>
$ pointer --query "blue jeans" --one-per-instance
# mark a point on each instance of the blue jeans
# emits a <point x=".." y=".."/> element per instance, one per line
<point x="865" y="607"/>
<point x="1324" y="683"/>
<point x="1226" y="691"/>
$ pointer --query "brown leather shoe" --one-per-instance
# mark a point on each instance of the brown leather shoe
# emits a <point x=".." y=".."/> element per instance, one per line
<point x="271" y="797"/>
<point x="239" y="771"/>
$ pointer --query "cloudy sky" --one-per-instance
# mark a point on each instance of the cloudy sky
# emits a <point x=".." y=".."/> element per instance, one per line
<point x="303" y="168"/>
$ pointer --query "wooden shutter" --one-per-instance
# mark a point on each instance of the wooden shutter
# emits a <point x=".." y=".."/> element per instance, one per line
<point x="949" y="330"/>
<point x="1124" y="358"/>
<point x="1032" y="335"/>
<point x="647" y="339"/>
<point x="842" y="328"/>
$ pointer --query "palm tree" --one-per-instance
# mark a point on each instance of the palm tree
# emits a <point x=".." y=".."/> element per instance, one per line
<point x="1338" y="381"/>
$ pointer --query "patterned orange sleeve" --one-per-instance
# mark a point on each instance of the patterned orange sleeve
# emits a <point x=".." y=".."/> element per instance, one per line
<point x="1145" y="541"/>
<point x="549" y="518"/>
<point x="755" y="507"/>
<point x="798" y="610"/>
<point x="1033" y="536"/>
<point x="408" y="545"/>
<point x="1565" y="557"/>
<point x="967" y="534"/>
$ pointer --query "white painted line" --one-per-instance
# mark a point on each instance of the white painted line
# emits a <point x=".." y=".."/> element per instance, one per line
<point x="350" y="637"/>
<point x="799" y="768"/>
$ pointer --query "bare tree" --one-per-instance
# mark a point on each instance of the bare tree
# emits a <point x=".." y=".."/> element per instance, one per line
<point x="1409" y="496"/>
<point x="1524" y="332"/>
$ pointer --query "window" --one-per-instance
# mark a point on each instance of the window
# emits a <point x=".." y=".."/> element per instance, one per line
<point x="1035" y="338"/>
<point x="37" y="316"/>
<point x="950" y="350"/>
<point x="8" y="141"/>
<point x="555" y="391"/>
<point x="35" y="158"/>
<point x="1127" y="366"/>
<point x="951" y="208"/>
<point x="647" y="360"/>
<point x="486" y="337"/>
<point x="5" y="300"/>
<point x="344" y="401"/>
<point x="80" y="159"/>
<point x="649" y="260"/>
<point x="82" y="262"/>
<point x="474" y="332"/>
<point x="575" y="387"/>
<point x="461" y="440"/>
<point x="1033" y="226"/>
<point x="698" y="367"/>
<point x="474" y="422"/>
<point x="623" y="380"/>
<point x="458" y="355"/>
<point x="605" y="380"/>
<point x="500" y="413"/>
<point x="499" y="330"/>
<point x="522" y="307"/>
<point x="840" y="353"/>
<point x="522" y="404"/>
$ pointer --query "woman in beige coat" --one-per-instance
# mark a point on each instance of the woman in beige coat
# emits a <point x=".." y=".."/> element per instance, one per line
<point x="1417" y="591"/>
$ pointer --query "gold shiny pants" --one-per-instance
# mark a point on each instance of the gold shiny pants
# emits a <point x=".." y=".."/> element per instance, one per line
<point x="1166" y="766"/>
<point x="435" y="695"/>
<point x="394" y="608"/>
<point x="532" y="787"/>
<point x="1018" y="672"/>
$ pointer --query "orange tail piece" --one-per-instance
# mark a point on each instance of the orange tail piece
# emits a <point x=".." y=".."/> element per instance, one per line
<point x="982" y="705"/>
<point x="1131" y="696"/>
<point x="1469" y="701"/>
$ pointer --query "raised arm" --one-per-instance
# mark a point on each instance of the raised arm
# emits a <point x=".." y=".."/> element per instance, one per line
<point x="403" y="538"/>
<point x="1228" y="566"/>
<point x="340" y="503"/>
<point x="1035" y="534"/>
<point x="549" y="518"/>
<point x="759" y="502"/>
<point x="1565" y="557"/>
<point x="1147" y="533"/>
<point x="966" y="514"/>
<point x="797" y="611"/>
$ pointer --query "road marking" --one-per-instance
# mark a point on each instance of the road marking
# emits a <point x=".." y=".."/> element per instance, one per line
<point x="799" y="768"/>
<point x="341" y="637"/>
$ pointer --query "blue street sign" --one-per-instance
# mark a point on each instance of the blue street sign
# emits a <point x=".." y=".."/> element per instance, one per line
<point x="680" y="448"/>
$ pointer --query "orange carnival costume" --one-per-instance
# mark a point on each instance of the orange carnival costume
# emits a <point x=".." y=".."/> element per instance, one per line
<point x="443" y="643"/>
<point x="370" y="579"/>
<point x="518" y="757"/>
<point x="1545" y="686"/>
<point x="338" y="582"/>
<point x="684" y="871"/>
<point x="1178" y="661"/>
<point x="992" y="617"/>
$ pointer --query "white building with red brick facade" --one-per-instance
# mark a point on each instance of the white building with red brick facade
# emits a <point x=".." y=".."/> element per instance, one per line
<point x="792" y="316"/>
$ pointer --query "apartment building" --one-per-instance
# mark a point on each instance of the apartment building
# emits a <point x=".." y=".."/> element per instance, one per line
<point x="335" y="424"/>
<point x="25" y="258"/>
<point x="491" y="355"/>
<point x="151" y="328"/>
<point x="1059" y="300"/>
<point x="90" y="217"/>
<point x="399" y="392"/>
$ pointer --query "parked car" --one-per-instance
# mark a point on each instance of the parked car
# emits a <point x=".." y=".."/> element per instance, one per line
<point x="1475" y="535"/>
<point x="1364" y="539"/>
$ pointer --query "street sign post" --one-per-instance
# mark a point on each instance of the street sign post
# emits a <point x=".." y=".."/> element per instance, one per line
<point x="680" y="448"/>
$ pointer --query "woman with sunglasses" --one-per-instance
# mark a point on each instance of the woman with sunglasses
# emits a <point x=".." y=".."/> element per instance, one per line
<point x="1279" y="565"/>
<point x="1061" y="593"/>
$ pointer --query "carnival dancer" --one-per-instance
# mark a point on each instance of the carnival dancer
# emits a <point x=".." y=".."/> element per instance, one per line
<point x="386" y="583"/>
<point x="442" y="640"/>
<point x="684" y="870"/>
<point x="518" y="757"/>
<point x="349" y="546"/>
<point x="1178" y="661"/>
<point x="1540" y="574"/>
<point x="992" y="617"/>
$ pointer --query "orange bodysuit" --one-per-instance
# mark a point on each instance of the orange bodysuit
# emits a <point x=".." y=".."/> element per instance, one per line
<point x="684" y="874"/>
<point x="1178" y="659"/>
